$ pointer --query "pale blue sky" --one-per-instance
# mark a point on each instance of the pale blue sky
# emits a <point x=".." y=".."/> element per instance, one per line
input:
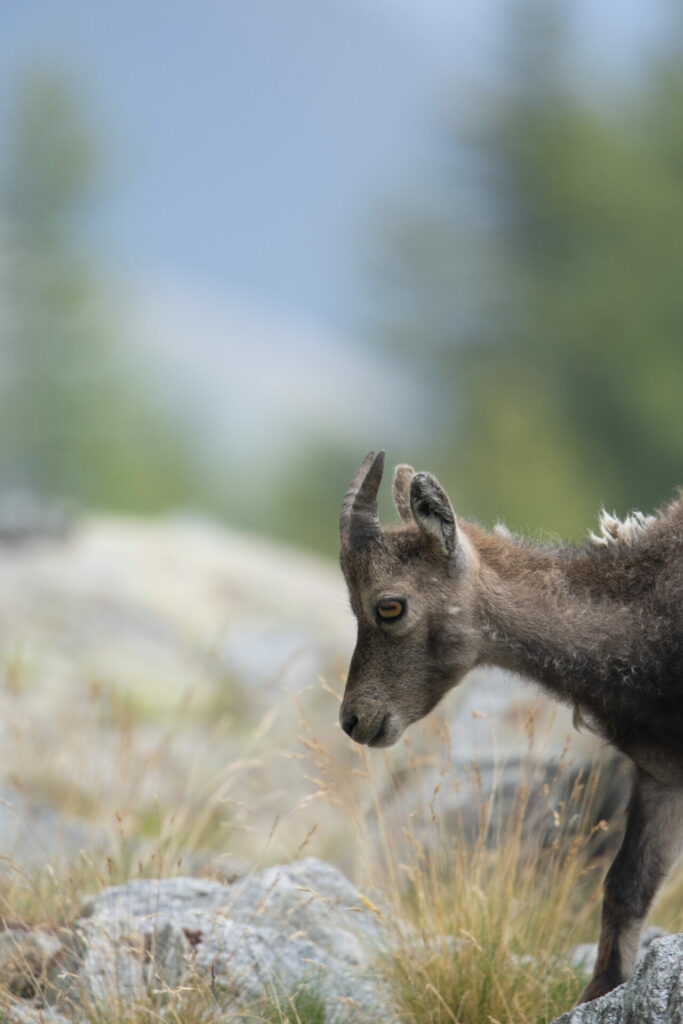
<point x="251" y="143"/>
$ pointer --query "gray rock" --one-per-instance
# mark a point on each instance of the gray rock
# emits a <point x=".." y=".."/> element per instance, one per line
<point x="138" y="620"/>
<point x="148" y="600"/>
<point x="18" y="1014"/>
<point x="654" y="995"/>
<point x="300" y="924"/>
<point x="112" y="959"/>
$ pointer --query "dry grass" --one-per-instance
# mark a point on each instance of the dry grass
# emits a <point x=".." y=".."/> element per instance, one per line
<point x="480" y="915"/>
<point x="183" y="794"/>
<point x="482" y="919"/>
<point x="493" y="927"/>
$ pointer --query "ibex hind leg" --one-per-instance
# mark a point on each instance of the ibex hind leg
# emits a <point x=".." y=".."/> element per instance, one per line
<point x="652" y="840"/>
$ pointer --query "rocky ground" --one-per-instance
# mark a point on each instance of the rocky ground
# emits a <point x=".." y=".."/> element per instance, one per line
<point x="296" y="931"/>
<point x="299" y="928"/>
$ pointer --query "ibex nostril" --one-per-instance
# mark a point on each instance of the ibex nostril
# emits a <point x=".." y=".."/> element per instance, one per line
<point x="349" y="723"/>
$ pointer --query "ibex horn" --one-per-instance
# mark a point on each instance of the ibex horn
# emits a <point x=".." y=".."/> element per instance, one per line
<point x="358" y="522"/>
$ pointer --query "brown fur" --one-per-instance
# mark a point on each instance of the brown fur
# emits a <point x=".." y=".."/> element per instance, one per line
<point x="599" y="627"/>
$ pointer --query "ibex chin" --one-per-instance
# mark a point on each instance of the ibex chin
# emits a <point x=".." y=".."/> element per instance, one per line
<point x="599" y="627"/>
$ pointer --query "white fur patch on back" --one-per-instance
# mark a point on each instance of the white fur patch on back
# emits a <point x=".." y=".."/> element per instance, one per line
<point x="620" y="531"/>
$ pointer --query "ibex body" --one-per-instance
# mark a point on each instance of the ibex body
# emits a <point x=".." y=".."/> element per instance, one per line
<point x="599" y="627"/>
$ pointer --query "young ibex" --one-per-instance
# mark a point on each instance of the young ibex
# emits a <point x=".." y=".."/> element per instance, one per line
<point x="599" y="627"/>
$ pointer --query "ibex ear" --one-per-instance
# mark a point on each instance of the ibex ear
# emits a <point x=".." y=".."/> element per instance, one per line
<point x="402" y="477"/>
<point x="433" y="511"/>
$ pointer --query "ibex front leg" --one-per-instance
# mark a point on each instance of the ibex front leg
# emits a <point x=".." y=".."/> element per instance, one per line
<point x="651" y="843"/>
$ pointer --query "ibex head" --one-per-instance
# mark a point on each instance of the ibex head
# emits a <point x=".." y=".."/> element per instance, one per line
<point x="411" y="590"/>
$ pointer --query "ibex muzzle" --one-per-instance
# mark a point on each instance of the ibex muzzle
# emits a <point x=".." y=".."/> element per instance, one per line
<point x="598" y="626"/>
<point x="409" y="590"/>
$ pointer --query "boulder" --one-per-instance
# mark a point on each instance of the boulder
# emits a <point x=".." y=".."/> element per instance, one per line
<point x="654" y="995"/>
<point x="18" y="1014"/>
<point x="285" y="929"/>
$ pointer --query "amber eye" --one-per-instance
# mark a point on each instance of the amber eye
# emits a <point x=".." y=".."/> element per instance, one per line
<point x="390" y="608"/>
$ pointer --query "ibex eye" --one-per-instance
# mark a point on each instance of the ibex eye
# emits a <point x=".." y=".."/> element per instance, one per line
<point x="391" y="608"/>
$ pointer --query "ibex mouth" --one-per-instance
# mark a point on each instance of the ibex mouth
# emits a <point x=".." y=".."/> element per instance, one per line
<point x="385" y="735"/>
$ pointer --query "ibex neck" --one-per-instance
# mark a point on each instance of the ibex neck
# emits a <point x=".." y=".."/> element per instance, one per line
<point x="547" y="614"/>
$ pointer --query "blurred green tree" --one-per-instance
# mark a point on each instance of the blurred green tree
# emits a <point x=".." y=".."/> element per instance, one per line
<point x="75" y="420"/>
<point x="540" y="297"/>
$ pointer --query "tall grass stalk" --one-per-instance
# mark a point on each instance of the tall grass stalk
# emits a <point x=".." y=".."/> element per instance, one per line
<point x="481" y="916"/>
<point x="480" y="912"/>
